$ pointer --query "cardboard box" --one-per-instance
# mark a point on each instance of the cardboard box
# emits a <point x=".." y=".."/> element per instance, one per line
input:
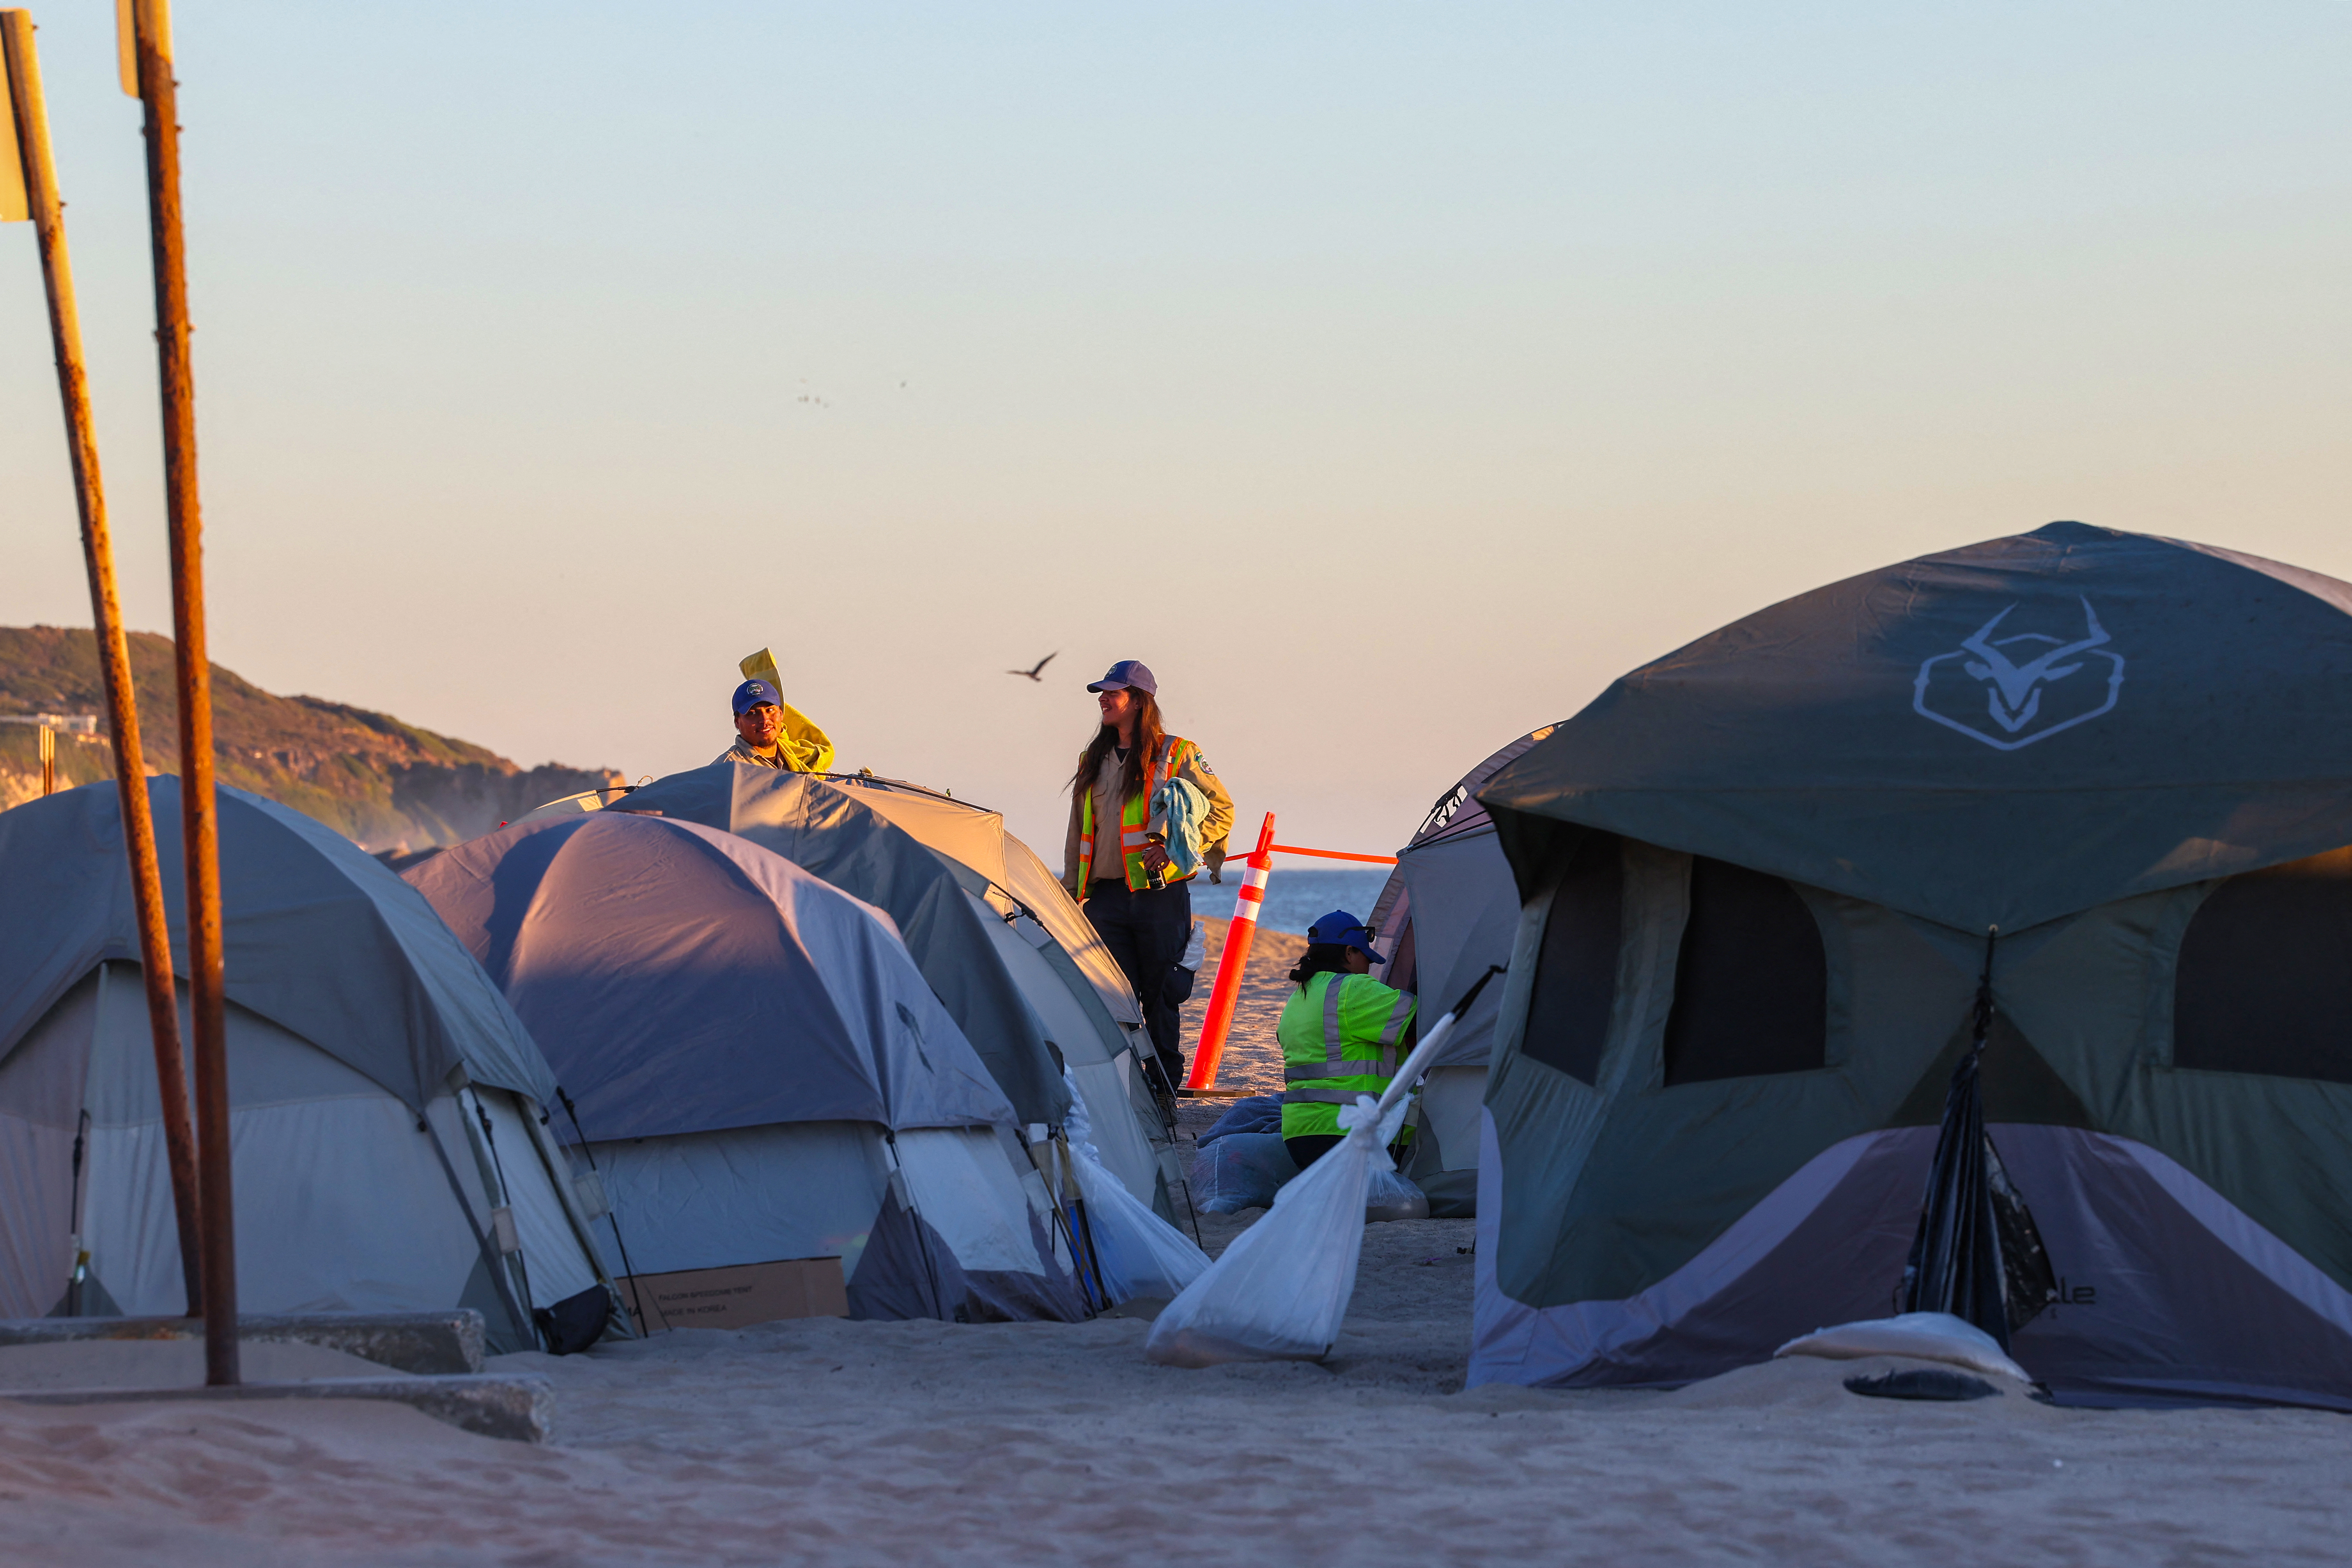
<point x="736" y="1297"/>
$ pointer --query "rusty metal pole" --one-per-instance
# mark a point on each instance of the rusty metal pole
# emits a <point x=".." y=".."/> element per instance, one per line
<point x="47" y="211"/>
<point x="199" y="812"/>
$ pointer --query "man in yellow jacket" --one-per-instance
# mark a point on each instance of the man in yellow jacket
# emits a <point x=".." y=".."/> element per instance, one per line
<point x="1342" y="1034"/>
<point x="772" y="733"/>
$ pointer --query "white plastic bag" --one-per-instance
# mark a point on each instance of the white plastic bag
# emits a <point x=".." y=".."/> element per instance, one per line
<point x="1924" y="1336"/>
<point x="1282" y="1287"/>
<point x="1140" y="1253"/>
<point x="1389" y="1195"/>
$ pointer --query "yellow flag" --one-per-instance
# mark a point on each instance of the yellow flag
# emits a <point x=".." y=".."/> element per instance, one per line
<point x="13" y="207"/>
<point x="806" y="748"/>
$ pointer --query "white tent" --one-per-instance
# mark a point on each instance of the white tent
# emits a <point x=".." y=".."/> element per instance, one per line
<point x="1062" y="968"/>
<point x="786" y="1118"/>
<point x="389" y="1150"/>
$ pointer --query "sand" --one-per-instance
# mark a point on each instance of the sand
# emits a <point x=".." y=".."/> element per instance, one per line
<point x="825" y="1441"/>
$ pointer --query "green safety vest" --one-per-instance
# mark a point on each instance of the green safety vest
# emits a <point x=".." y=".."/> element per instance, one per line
<point x="1342" y="1036"/>
<point x="1134" y="819"/>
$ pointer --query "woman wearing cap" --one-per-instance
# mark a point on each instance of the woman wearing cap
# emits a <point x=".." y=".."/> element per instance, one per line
<point x="1342" y="1034"/>
<point x="1118" y="867"/>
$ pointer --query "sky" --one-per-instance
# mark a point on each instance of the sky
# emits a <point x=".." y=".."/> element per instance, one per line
<point x="1388" y="377"/>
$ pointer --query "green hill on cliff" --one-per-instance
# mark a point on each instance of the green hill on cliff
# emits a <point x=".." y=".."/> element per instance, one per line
<point x="365" y="775"/>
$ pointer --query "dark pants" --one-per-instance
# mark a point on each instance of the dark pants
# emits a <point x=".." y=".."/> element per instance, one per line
<point x="1310" y="1147"/>
<point x="1146" y="934"/>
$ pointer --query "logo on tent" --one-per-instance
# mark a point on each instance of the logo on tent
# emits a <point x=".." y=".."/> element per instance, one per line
<point x="2010" y="691"/>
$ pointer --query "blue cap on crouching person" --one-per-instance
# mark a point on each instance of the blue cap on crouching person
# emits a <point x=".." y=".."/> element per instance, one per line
<point x="752" y="693"/>
<point x="1341" y="929"/>
<point x="1128" y="672"/>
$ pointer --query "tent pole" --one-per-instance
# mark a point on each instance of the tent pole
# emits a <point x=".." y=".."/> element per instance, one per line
<point x="199" y="809"/>
<point x="24" y="74"/>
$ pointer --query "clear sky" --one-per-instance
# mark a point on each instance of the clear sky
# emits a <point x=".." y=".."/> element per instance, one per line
<point x="1389" y="377"/>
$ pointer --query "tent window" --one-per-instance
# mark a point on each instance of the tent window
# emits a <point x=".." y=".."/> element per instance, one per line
<point x="1751" y="983"/>
<point x="1576" y="971"/>
<point x="2264" y="982"/>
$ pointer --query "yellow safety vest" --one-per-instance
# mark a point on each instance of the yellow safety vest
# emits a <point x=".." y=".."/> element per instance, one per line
<point x="1134" y="817"/>
<point x="1341" y="1036"/>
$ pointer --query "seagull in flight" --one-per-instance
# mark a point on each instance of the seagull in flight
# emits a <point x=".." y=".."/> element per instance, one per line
<point x="1032" y="671"/>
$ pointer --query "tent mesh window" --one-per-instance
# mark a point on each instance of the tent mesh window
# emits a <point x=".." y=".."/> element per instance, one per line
<point x="1751" y="982"/>
<point x="2264" y="982"/>
<point x="1576" y="970"/>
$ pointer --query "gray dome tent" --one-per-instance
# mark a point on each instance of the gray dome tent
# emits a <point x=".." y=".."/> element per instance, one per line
<point x="1062" y="968"/>
<point x="385" y="1104"/>
<point x="1757" y="878"/>
<point x="826" y="832"/>
<point x="763" y="1078"/>
<point x="1447" y="912"/>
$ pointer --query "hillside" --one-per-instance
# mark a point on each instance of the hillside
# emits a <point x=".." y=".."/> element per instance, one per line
<point x="367" y="775"/>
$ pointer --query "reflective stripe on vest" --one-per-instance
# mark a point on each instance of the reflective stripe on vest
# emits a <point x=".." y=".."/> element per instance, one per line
<point x="1134" y="818"/>
<point x="1371" y="1073"/>
<point x="1335" y="1064"/>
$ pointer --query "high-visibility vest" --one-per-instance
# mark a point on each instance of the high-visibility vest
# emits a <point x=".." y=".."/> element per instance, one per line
<point x="1342" y="1036"/>
<point x="1134" y="816"/>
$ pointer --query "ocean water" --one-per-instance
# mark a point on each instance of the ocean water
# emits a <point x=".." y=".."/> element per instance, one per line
<point x="1296" y="893"/>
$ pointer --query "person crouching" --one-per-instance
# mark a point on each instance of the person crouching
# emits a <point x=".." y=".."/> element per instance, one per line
<point x="1342" y="1034"/>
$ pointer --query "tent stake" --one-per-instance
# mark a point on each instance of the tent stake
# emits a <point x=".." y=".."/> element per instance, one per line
<point x="199" y="810"/>
<point x="47" y="209"/>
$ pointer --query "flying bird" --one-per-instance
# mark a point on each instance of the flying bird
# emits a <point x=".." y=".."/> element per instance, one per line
<point x="1032" y="671"/>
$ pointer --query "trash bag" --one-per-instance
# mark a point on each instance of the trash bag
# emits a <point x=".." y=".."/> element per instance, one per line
<point x="1135" y="1252"/>
<point x="1139" y="1253"/>
<point x="1241" y="1170"/>
<point x="1282" y="1287"/>
<point x="1977" y="1254"/>
<point x="1389" y="1195"/>
<point x="1280" y="1290"/>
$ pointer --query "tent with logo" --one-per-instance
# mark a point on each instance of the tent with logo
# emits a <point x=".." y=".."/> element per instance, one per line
<point x="1447" y="912"/>
<point x="776" y="1105"/>
<point x="1033" y="993"/>
<point x="386" y="1107"/>
<point x="1760" y="877"/>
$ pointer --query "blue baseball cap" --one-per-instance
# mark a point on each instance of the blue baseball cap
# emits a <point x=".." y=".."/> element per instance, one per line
<point x="1127" y="672"/>
<point x="1344" y="930"/>
<point x="752" y="693"/>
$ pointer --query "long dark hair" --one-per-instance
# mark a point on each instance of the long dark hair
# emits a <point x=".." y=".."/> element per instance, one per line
<point x="1322" y="958"/>
<point x="1148" y="736"/>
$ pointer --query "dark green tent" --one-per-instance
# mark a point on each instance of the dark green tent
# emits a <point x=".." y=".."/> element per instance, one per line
<point x="1757" y="878"/>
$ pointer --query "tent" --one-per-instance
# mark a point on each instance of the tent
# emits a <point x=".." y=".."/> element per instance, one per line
<point x="1065" y="972"/>
<point x="949" y="877"/>
<point x="775" y="1103"/>
<point x="1447" y="912"/>
<point x="386" y="1107"/>
<point x="1758" y="877"/>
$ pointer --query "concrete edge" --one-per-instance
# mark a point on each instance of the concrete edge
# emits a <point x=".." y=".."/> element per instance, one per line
<point x="517" y="1409"/>
<point x="429" y="1345"/>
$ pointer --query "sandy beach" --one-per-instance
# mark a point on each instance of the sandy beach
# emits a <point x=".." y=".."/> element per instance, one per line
<point x="828" y="1441"/>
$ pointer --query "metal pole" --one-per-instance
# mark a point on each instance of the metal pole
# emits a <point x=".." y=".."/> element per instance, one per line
<point x="23" y="71"/>
<point x="48" y="759"/>
<point x="199" y="813"/>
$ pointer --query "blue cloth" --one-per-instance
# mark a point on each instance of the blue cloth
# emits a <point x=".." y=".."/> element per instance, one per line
<point x="1179" y="811"/>
<point x="1258" y="1113"/>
